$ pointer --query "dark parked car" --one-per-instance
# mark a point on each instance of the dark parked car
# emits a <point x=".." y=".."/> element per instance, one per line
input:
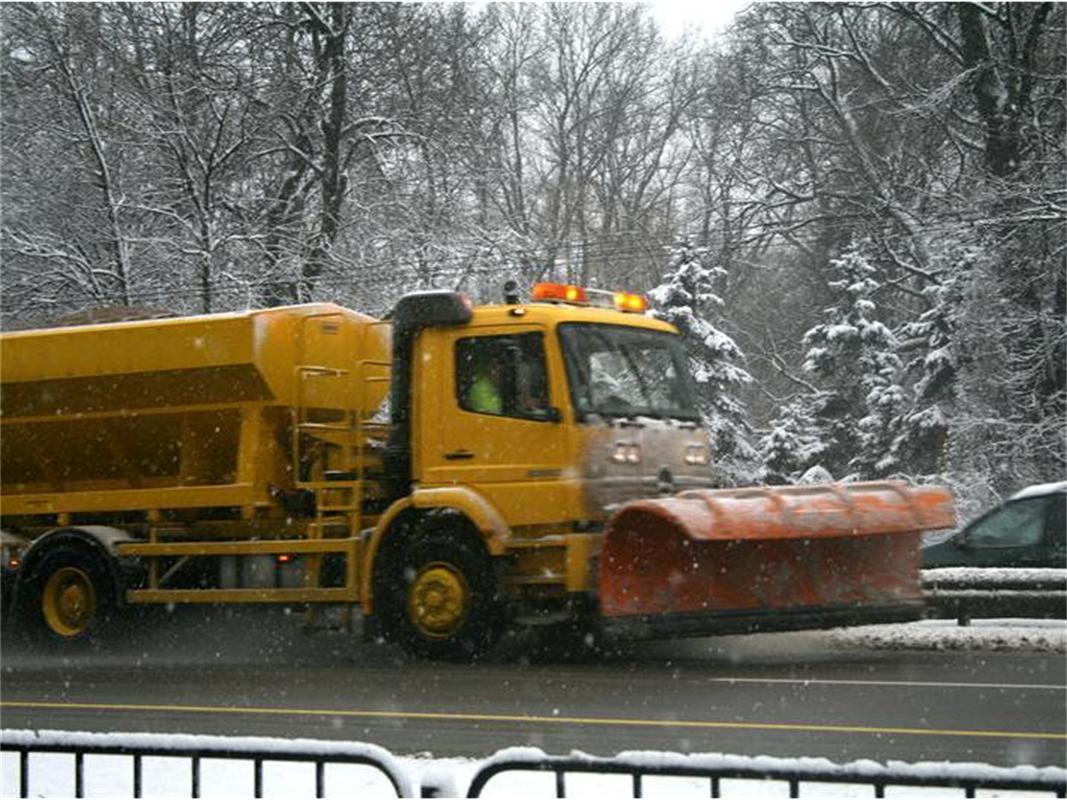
<point x="1026" y="531"/>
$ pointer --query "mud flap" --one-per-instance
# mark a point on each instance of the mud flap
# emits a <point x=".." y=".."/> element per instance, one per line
<point x="815" y="551"/>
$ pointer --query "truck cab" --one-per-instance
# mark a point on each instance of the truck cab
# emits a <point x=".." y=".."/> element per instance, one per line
<point x="520" y="428"/>
<point x="591" y="407"/>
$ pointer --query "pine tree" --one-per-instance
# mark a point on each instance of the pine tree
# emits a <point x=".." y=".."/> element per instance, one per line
<point x="688" y="299"/>
<point x="923" y="429"/>
<point x="792" y="446"/>
<point x="854" y="354"/>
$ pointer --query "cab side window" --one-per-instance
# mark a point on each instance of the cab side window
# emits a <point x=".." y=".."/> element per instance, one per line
<point x="503" y="375"/>
<point x="1018" y="524"/>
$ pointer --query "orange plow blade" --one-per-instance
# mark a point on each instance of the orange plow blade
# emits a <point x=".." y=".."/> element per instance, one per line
<point x="769" y="558"/>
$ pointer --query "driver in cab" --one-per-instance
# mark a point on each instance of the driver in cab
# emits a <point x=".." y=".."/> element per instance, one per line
<point x="485" y="393"/>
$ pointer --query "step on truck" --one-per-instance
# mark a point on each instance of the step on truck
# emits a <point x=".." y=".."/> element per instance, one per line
<point x="445" y="472"/>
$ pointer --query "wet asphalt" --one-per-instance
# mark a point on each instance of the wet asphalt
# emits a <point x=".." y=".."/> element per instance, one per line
<point x="253" y="672"/>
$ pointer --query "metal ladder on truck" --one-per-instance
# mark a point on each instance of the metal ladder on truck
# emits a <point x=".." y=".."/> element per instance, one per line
<point x="335" y="474"/>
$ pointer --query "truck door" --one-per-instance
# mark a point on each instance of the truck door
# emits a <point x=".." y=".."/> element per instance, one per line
<point x="494" y="423"/>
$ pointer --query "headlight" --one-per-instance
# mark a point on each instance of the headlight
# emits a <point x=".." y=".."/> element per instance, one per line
<point x="626" y="453"/>
<point x="697" y="454"/>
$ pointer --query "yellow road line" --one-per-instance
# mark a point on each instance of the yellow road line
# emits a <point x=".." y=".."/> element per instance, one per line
<point x="526" y="719"/>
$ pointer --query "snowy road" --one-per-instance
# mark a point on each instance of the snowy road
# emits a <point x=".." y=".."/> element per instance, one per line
<point x="793" y="694"/>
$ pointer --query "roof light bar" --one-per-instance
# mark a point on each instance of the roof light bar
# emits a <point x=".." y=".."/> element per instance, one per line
<point x="559" y="292"/>
<point x="568" y="293"/>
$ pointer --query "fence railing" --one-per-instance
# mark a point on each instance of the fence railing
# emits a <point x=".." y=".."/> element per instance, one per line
<point x="196" y="749"/>
<point x="714" y="768"/>
<point x="968" y="593"/>
<point x="794" y="772"/>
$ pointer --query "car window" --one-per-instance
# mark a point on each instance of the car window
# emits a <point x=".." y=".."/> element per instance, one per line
<point x="1018" y="524"/>
<point x="1057" y="520"/>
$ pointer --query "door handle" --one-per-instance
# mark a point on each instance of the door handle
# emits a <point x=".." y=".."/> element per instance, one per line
<point x="459" y="455"/>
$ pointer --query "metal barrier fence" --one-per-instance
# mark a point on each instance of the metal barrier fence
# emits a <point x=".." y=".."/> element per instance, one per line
<point x="966" y="594"/>
<point x="196" y="749"/>
<point x="715" y="768"/>
<point x="795" y="772"/>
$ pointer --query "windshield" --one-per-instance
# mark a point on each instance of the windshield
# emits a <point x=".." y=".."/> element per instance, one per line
<point x="619" y="371"/>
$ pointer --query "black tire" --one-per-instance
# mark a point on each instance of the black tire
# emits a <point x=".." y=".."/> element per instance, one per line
<point x="439" y="600"/>
<point x="69" y="595"/>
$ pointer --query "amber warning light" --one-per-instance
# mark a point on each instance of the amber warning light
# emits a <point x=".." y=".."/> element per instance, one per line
<point x="559" y="292"/>
<point x="625" y="301"/>
<point x="577" y="295"/>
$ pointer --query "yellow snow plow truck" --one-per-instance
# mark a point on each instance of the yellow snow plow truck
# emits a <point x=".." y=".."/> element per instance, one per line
<point x="449" y="471"/>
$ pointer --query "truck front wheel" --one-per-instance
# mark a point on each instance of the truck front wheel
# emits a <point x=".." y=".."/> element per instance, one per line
<point x="70" y="597"/>
<point x="443" y="604"/>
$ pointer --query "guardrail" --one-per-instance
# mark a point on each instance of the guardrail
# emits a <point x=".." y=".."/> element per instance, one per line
<point x="969" y="593"/>
<point x="197" y="748"/>
<point x="795" y="771"/>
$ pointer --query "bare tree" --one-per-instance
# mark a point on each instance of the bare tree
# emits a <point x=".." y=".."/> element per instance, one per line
<point x="62" y="45"/>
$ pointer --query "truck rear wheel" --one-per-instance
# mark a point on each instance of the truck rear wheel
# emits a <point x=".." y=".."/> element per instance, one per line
<point x="443" y="603"/>
<point x="70" y="596"/>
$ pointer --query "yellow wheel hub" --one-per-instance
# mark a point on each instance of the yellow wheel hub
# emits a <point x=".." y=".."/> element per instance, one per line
<point x="438" y="600"/>
<point x="69" y="601"/>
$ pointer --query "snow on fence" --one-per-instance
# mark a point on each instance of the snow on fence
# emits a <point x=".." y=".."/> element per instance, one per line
<point x="968" y="592"/>
<point x="506" y="773"/>
<point x="716" y="768"/>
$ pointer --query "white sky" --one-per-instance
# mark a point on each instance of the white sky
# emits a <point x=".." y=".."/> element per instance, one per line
<point x="675" y="17"/>
<point x="707" y="17"/>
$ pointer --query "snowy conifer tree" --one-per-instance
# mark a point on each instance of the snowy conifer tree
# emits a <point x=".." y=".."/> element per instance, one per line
<point x="688" y="300"/>
<point x="792" y="445"/>
<point x="855" y="356"/>
<point x="921" y="440"/>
